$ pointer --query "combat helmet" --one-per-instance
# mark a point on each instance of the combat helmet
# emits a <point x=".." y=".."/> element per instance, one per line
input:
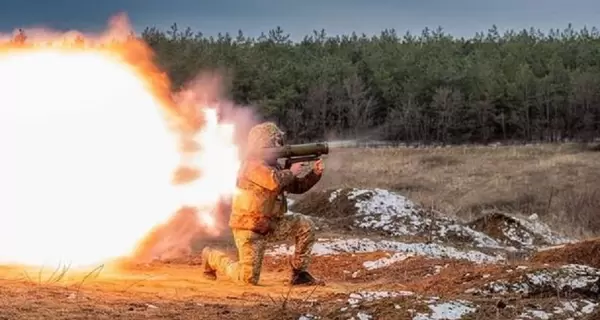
<point x="265" y="135"/>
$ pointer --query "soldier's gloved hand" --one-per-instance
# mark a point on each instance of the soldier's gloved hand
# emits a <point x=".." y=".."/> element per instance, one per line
<point x="296" y="168"/>
<point x="318" y="167"/>
<point x="263" y="226"/>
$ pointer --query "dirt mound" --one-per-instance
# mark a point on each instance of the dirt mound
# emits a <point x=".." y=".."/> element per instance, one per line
<point x="585" y="253"/>
<point x="516" y="232"/>
<point x="390" y="214"/>
<point x="326" y="205"/>
<point x="387" y="213"/>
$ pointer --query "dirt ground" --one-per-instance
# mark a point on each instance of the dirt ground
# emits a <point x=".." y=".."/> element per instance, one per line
<point x="177" y="290"/>
<point x="585" y="252"/>
<point x="457" y="181"/>
<point x="166" y="290"/>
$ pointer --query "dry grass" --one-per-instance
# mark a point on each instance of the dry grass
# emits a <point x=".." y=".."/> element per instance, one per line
<point x="561" y="183"/>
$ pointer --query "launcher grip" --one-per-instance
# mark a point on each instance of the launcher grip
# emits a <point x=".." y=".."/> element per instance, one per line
<point x="287" y="164"/>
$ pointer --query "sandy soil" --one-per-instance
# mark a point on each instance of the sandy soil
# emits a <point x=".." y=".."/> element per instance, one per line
<point x="177" y="290"/>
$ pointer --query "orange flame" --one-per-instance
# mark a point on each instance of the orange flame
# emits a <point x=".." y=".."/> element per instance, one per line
<point x="91" y="137"/>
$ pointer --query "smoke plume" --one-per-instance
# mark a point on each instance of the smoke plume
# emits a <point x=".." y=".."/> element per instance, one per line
<point x="183" y="234"/>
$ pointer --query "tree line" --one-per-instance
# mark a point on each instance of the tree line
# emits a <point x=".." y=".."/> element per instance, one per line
<point x="431" y="87"/>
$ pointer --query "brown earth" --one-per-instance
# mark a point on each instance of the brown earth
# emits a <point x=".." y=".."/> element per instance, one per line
<point x="336" y="215"/>
<point x="554" y="181"/>
<point x="585" y="252"/>
<point x="154" y="291"/>
<point x="492" y="225"/>
<point x="177" y="291"/>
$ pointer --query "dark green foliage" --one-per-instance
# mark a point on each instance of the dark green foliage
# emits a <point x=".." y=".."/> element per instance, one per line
<point x="428" y="88"/>
<point x="525" y="86"/>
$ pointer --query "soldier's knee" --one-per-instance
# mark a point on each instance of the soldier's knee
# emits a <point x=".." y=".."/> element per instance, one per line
<point x="307" y="224"/>
<point x="251" y="281"/>
<point x="250" y="277"/>
<point x="249" y="273"/>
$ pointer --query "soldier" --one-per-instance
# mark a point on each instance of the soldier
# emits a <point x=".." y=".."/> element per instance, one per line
<point x="258" y="214"/>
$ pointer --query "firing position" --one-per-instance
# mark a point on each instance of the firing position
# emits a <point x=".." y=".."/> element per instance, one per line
<point x="258" y="214"/>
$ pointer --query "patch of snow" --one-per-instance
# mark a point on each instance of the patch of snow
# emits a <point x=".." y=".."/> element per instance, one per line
<point x="567" y="306"/>
<point x="572" y="276"/>
<point x="536" y="227"/>
<point x="535" y="314"/>
<point x="577" y="308"/>
<point x="365" y="245"/>
<point x="334" y="195"/>
<point x="447" y="310"/>
<point x="479" y="239"/>
<point x="387" y="261"/>
<point x="589" y="307"/>
<point x="503" y="287"/>
<point x="389" y="212"/>
<point x="439" y="310"/>
<point x="362" y="316"/>
<point x="308" y="317"/>
<point x="356" y="298"/>
<point x="513" y="232"/>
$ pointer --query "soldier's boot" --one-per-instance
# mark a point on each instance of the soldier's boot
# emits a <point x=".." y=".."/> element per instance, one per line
<point x="208" y="272"/>
<point x="303" y="277"/>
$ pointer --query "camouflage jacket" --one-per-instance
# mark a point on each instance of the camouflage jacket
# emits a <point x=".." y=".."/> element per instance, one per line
<point x="261" y="197"/>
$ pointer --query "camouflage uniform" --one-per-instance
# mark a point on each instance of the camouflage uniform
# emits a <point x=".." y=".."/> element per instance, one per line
<point x="259" y="216"/>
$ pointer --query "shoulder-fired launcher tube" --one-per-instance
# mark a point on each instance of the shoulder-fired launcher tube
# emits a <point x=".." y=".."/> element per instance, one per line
<point x="299" y="150"/>
<point x="294" y="153"/>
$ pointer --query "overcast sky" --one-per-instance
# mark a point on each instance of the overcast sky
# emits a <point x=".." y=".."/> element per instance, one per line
<point x="300" y="17"/>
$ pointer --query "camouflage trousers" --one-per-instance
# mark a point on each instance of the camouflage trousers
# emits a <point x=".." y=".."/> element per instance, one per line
<point x="251" y="249"/>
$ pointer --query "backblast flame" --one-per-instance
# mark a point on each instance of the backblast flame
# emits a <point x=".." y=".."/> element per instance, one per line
<point x="89" y="152"/>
